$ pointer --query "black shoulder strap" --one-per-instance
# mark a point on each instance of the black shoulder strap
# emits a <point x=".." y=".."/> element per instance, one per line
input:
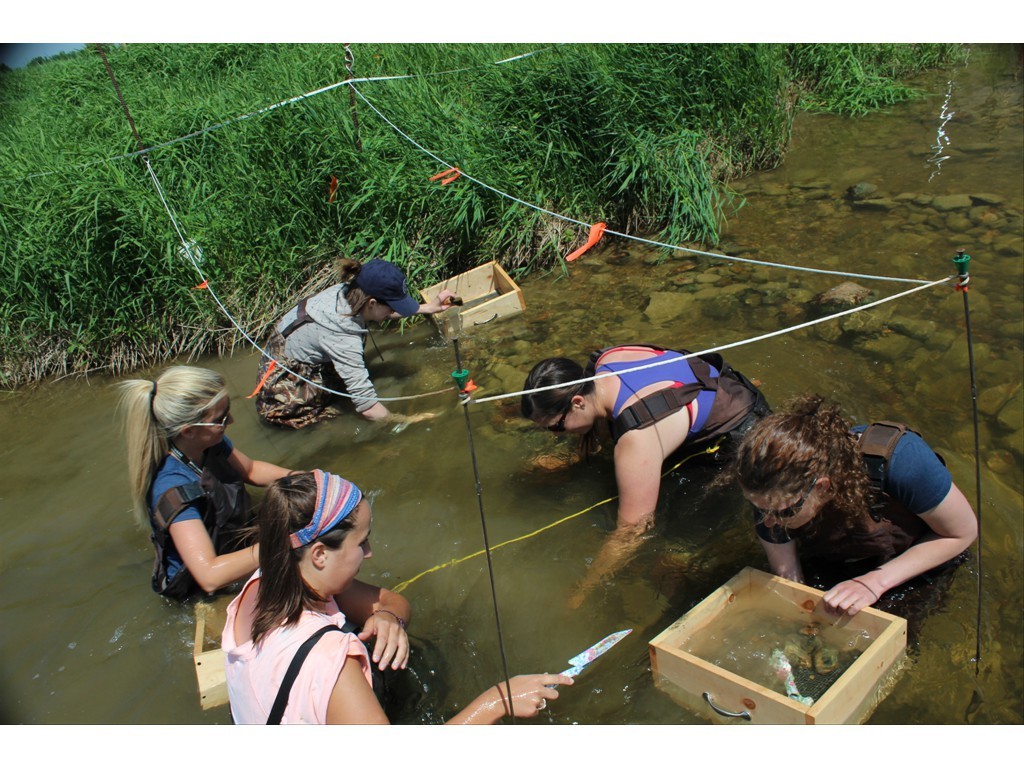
<point x="173" y="501"/>
<point x="301" y="318"/>
<point x="658" y="405"/>
<point x="277" y="711"/>
<point x="654" y="407"/>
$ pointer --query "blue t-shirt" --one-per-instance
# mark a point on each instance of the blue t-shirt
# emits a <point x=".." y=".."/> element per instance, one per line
<point x="915" y="477"/>
<point x="172" y="473"/>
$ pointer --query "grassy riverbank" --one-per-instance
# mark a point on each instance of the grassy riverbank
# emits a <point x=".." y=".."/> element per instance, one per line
<point x="643" y="137"/>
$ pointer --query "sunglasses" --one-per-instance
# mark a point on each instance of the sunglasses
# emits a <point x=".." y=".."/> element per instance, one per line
<point x="221" y="422"/>
<point x="559" y="426"/>
<point x="787" y="512"/>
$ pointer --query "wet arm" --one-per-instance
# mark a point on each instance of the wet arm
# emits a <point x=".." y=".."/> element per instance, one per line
<point x="528" y="694"/>
<point x="954" y="527"/>
<point x="255" y="472"/>
<point x="638" y="473"/>
<point x="783" y="560"/>
<point x="210" y="570"/>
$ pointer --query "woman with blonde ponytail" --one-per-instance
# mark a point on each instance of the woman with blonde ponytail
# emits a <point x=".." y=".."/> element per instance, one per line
<point x="855" y="510"/>
<point x="188" y="481"/>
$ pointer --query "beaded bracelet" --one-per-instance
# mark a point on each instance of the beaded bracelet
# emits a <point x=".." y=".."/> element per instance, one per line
<point x="399" y="619"/>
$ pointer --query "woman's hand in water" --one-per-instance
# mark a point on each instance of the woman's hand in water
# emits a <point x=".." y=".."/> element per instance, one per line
<point x="530" y="693"/>
<point x="850" y="596"/>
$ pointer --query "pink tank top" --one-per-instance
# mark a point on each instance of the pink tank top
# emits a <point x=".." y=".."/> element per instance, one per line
<point x="254" y="674"/>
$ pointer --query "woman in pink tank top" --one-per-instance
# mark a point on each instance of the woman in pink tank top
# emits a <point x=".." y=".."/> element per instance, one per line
<point x="314" y="533"/>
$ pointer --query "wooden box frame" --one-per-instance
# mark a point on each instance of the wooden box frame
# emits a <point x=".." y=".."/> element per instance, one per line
<point x="487" y="292"/>
<point x="208" y="657"/>
<point x="702" y="686"/>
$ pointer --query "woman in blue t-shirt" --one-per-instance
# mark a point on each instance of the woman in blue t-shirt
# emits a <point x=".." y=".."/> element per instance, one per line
<point x="188" y="480"/>
<point x="801" y="470"/>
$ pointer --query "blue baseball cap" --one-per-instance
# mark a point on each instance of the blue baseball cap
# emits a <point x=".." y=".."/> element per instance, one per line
<point x="385" y="282"/>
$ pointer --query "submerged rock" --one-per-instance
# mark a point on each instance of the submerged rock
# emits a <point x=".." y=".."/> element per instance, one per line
<point x="862" y="191"/>
<point x="985" y="198"/>
<point x="843" y="296"/>
<point x="876" y="204"/>
<point x="952" y="202"/>
<point x="665" y="306"/>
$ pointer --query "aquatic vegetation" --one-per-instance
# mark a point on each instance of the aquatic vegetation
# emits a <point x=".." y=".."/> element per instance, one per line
<point x="642" y="137"/>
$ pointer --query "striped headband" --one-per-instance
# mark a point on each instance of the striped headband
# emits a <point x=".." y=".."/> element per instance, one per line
<point x="336" y="497"/>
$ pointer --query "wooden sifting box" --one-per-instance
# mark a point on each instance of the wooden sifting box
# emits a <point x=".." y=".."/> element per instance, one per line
<point x="487" y="293"/>
<point x="207" y="655"/>
<point x="695" y="663"/>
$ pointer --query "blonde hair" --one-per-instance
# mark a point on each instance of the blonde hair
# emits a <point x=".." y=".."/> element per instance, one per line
<point x="155" y="413"/>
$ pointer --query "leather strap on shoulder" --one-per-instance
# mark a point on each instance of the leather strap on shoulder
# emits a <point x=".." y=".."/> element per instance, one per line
<point x="173" y="501"/>
<point x="301" y="318"/>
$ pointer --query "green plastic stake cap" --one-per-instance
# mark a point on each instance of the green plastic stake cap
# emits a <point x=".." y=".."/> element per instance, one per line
<point x="461" y="377"/>
<point x="961" y="260"/>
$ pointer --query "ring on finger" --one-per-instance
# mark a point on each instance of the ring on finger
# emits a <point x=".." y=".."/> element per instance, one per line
<point x="543" y="703"/>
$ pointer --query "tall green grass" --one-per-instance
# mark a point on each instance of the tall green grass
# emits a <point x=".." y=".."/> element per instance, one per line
<point x="642" y="137"/>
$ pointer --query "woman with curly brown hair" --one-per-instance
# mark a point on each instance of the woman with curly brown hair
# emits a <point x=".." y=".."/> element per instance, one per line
<point x="820" y="492"/>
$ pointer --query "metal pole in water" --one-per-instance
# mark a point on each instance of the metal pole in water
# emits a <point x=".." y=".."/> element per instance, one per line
<point x="452" y="329"/>
<point x="962" y="260"/>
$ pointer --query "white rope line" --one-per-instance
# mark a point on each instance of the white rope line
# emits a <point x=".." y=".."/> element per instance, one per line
<point x="187" y="250"/>
<point x="278" y="105"/>
<point x="563" y="217"/>
<point x="740" y="343"/>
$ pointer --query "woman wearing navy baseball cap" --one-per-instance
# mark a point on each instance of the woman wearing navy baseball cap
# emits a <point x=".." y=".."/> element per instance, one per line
<point x="322" y="339"/>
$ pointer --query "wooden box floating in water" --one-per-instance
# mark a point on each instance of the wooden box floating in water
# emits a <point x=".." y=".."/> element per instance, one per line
<point x="207" y="655"/>
<point x="487" y="293"/>
<point x="762" y="649"/>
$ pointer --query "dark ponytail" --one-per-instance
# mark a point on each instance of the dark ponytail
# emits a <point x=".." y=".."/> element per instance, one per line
<point x="288" y="506"/>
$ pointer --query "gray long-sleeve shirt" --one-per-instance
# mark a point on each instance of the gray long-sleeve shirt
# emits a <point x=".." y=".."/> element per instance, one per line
<point x="336" y="337"/>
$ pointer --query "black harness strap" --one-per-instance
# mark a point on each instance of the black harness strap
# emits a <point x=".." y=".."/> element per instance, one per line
<point x="301" y="318"/>
<point x="277" y="711"/>
<point x="173" y="502"/>
<point x="658" y="405"/>
<point x="654" y="407"/>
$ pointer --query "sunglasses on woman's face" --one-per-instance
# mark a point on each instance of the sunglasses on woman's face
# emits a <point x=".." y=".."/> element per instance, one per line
<point x="786" y="512"/>
<point x="559" y="426"/>
<point x="221" y="422"/>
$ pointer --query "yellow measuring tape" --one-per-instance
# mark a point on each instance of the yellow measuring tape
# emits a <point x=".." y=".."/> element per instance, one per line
<point x="711" y="450"/>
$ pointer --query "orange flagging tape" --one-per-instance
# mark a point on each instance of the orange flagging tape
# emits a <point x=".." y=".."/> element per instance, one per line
<point x="447" y="173"/>
<point x="332" y="189"/>
<point x="270" y="370"/>
<point x="202" y="286"/>
<point x="596" y="233"/>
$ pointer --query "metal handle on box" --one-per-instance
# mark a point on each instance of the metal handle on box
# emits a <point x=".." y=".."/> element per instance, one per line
<point x="724" y="712"/>
<point x="492" y="317"/>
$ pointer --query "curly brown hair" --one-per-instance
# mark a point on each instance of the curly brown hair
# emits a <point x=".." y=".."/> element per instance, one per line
<point x="807" y="438"/>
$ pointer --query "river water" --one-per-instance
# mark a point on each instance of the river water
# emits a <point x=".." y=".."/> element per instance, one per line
<point x="83" y="640"/>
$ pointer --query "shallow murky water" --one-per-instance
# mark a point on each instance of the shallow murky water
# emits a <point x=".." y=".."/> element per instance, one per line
<point x="83" y="640"/>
